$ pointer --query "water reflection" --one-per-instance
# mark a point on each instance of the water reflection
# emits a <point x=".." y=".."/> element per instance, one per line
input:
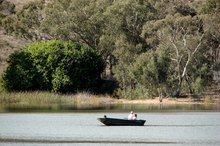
<point x="113" y="108"/>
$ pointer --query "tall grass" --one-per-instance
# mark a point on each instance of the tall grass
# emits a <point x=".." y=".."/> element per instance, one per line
<point x="39" y="99"/>
<point x="29" y="98"/>
<point x="87" y="100"/>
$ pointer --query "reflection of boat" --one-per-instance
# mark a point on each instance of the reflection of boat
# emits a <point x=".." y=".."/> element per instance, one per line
<point x="121" y="122"/>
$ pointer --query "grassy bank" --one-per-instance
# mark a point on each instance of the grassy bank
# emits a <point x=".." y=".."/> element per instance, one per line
<point x="39" y="98"/>
<point x="51" y="101"/>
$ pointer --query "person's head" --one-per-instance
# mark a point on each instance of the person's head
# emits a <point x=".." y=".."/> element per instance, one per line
<point x="131" y="112"/>
<point x="135" y="115"/>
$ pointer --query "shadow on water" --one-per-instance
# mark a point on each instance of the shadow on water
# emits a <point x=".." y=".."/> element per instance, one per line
<point x="183" y="125"/>
<point x="32" y="141"/>
<point x="112" y="108"/>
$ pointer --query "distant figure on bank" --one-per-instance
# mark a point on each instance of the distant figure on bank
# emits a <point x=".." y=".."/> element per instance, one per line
<point x="135" y="117"/>
<point x="131" y="115"/>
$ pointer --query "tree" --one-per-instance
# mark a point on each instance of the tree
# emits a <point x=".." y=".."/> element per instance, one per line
<point x="211" y="17"/>
<point x="184" y="36"/>
<point x="127" y="31"/>
<point x="151" y="71"/>
<point x="124" y="21"/>
<point x="56" y="66"/>
<point x="183" y="40"/>
<point x="79" y="21"/>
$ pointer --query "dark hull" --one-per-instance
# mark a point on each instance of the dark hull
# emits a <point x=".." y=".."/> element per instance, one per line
<point x="121" y="122"/>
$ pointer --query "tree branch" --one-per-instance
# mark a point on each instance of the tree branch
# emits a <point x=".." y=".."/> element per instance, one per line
<point x="200" y="42"/>
<point x="190" y="55"/>
<point x="174" y="45"/>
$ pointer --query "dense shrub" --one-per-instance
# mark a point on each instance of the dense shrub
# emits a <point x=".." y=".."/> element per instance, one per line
<point x="56" y="66"/>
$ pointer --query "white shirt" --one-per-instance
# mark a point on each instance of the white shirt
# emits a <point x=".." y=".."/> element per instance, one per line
<point x="130" y="116"/>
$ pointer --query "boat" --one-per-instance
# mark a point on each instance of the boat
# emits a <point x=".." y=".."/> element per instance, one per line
<point x="121" y="122"/>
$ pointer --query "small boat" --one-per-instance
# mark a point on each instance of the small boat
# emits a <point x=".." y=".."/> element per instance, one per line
<point x="121" y="122"/>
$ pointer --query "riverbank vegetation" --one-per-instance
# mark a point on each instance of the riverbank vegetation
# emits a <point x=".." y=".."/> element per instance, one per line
<point x="150" y="48"/>
<point x="38" y="101"/>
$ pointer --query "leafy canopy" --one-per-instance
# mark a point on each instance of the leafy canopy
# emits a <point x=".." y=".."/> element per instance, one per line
<point x="54" y="65"/>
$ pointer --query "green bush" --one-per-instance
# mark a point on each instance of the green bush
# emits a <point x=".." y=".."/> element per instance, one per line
<point x="20" y="74"/>
<point x="55" y="66"/>
<point x="151" y="72"/>
<point x="199" y="85"/>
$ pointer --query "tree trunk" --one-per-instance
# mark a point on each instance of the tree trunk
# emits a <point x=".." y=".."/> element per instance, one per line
<point x="178" y="59"/>
<point x="178" y="90"/>
<point x="189" y="85"/>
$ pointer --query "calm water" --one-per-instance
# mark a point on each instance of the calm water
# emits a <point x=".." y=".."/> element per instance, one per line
<point x="113" y="108"/>
<point x="54" y="129"/>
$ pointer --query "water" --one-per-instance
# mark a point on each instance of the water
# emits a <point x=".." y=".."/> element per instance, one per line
<point x="54" y="129"/>
<point x="112" y="107"/>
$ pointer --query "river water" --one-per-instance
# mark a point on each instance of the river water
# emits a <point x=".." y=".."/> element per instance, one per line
<point x="74" y="128"/>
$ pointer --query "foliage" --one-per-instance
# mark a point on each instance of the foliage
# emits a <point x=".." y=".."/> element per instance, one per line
<point x="216" y="66"/>
<point x="54" y="65"/>
<point x="148" y="46"/>
<point x="151" y="70"/>
<point x="26" y="22"/>
<point x="20" y="74"/>
<point x="199" y="86"/>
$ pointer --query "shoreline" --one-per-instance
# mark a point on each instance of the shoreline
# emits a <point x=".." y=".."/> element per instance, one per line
<point x="45" y="101"/>
<point x="171" y="101"/>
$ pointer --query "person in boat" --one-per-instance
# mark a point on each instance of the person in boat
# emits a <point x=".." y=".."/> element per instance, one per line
<point x="131" y="115"/>
<point x="135" y="117"/>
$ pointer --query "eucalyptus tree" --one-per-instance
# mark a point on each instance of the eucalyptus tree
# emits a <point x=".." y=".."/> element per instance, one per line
<point x="211" y="16"/>
<point x="182" y="32"/>
<point x="183" y="35"/>
<point x="151" y="72"/>
<point x="124" y="20"/>
<point x="80" y="21"/>
<point x="126" y="32"/>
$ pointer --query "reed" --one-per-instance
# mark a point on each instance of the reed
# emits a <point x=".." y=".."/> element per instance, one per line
<point x="87" y="100"/>
<point x="39" y="99"/>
